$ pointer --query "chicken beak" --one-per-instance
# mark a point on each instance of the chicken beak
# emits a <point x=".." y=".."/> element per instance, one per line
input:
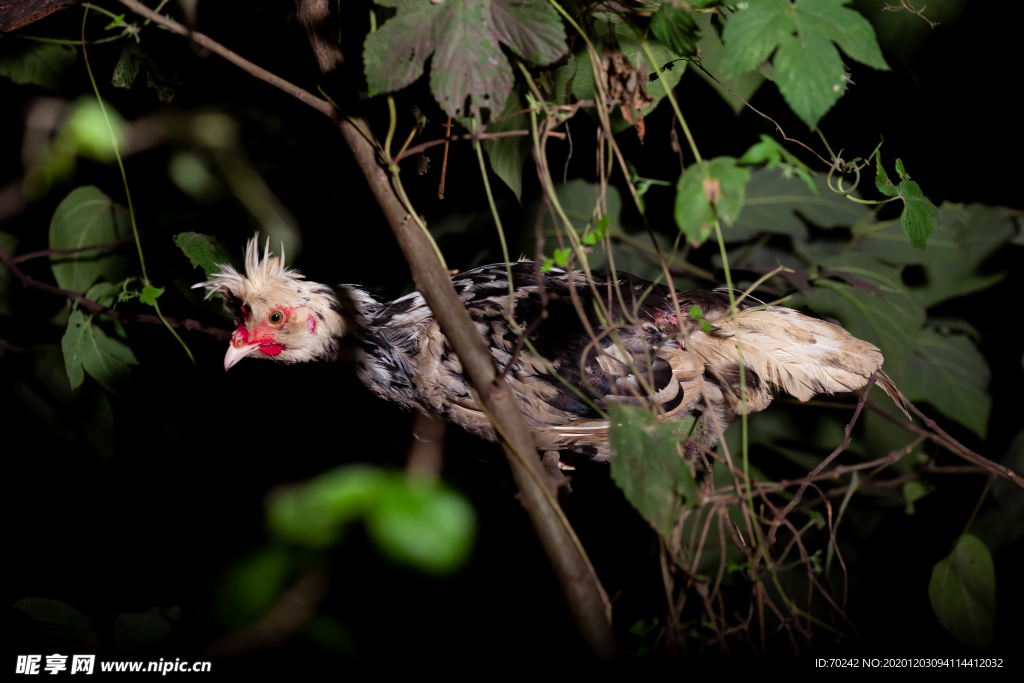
<point x="236" y="354"/>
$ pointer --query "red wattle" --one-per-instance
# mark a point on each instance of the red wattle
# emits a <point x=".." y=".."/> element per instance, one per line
<point x="271" y="349"/>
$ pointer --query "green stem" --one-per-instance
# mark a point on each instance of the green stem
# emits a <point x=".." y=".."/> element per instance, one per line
<point x="62" y="41"/>
<point x="497" y="223"/>
<point x="668" y="92"/>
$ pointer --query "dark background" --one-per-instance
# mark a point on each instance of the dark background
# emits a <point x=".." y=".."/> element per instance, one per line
<point x="178" y="496"/>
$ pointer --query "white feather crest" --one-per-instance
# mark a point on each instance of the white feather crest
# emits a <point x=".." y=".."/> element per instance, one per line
<point x="259" y="273"/>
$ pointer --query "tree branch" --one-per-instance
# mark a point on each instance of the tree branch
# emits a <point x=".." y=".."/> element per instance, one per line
<point x="88" y="304"/>
<point x="584" y="595"/>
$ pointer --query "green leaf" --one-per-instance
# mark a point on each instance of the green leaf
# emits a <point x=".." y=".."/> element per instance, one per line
<point x="562" y="256"/>
<point x="84" y="218"/>
<point x="87" y="347"/>
<point x="751" y="35"/>
<point x="711" y="54"/>
<point x="675" y="27"/>
<point x="770" y="152"/>
<point x="252" y="585"/>
<point x="919" y="215"/>
<point x="625" y="38"/>
<point x="508" y="154"/>
<point x="914" y="491"/>
<point x="63" y="627"/>
<point x="962" y="591"/>
<point x="706" y="190"/>
<point x="86" y="128"/>
<point x="139" y="630"/>
<point x="808" y="69"/>
<point x="463" y="36"/>
<point x="204" y="251"/>
<point x="648" y="466"/>
<point x="423" y="523"/>
<point x="150" y="294"/>
<point x="103" y="293"/>
<point x="43" y="64"/>
<point x="948" y="371"/>
<point x="314" y="514"/>
<point x="882" y="181"/>
<point x="777" y="202"/>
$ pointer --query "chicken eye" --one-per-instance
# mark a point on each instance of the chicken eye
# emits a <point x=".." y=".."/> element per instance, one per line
<point x="276" y="317"/>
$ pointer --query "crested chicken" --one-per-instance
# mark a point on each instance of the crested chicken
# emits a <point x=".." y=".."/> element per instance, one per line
<point x="675" y="366"/>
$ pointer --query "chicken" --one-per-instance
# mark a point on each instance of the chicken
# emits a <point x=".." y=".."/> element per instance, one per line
<point x="399" y="351"/>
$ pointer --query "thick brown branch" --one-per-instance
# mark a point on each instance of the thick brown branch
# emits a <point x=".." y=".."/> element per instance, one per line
<point x="88" y="304"/>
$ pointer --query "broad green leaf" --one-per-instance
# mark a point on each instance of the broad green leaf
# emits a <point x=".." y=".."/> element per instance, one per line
<point x="876" y="307"/>
<point x="625" y="38"/>
<point x="508" y="154"/>
<point x="648" y="466"/>
<point x="204" y="251"/>
<point x="86" y="217"/>
<point x="63" y="627"/>
<point x="808" y="68"/>
<point x="948" y="371"/>
<point x="423" y="523"/>
<point x="675" y="27"/>
<point x="778" y="202"/>
<point x="751" y="35"/>
<point x="711" y="52"/>
<point x="10" y="245"/>
<point x="150" y="294"/>
<point x="25" y="61"/>
<point x="919" y="215"/>
<point x="314" y="514"/>
<point x="810" y="75"/>
<point x="463" y="36"/>
<point x="88" y="347"/>
<point x="962" y="591"/>
<point x="706" y="190"/>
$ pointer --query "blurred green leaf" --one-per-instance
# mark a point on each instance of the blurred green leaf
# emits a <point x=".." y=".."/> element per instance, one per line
<point x="914" y="491"/>
<point x="949" y="372"/>
<point x="711" y="52"/>
<point x="1000" y="526"/>
<point x="648" y="466"/>
<point x="103" y="293"/>
<point x="625" y="38"/>
<point x="135" y="631"/>
<point x="190" y="173"/>
<point x="706" y="190"/>
<point x="508" y="154"/>
<point x="43" y="64"/>
<point x="84" y="218"/>
<point x="252" y="585"/>
<point x="63" y="627"/>
<point x="204" y="251"/>
<point x="87" y="126"/>
<point x="423" y="523"/>
<point x="87" y="346"/>
<point x="962" y="591"/>
<point x="314" y="514"/>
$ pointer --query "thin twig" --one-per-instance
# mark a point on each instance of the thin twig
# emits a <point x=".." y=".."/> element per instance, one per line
<point x="468" y="136"/>
<point x="63" y="252"/>
<point x="444" y="161"/>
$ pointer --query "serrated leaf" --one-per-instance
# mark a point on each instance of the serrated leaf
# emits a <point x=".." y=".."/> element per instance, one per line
<point x="150" y="294"/>
<point x="848" y="28"/>
<point x="648" y="467"/>
<point x="463" y="36"/>
<point x="949" y="372"/>
<point x="711" y="54"/>
<point x="882" y="181"/>
<point x="507" y="155"/>
<point x="625" y="38"/>
<point x="84" y="218"/>
<point x="919" y="215"/>
<point x="810" y="75"/>
<point x="751" y="35"/>
<point x="204" y="251"/>
<point x="86" y="346"/>
<point x="962" y="591"/>
<point x="675" y="27"/>
<point x="706" y="190"/>
<point x="43" y="64"/>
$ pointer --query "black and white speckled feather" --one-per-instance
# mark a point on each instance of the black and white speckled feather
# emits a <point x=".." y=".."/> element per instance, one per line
<point x="400" y="353"/>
